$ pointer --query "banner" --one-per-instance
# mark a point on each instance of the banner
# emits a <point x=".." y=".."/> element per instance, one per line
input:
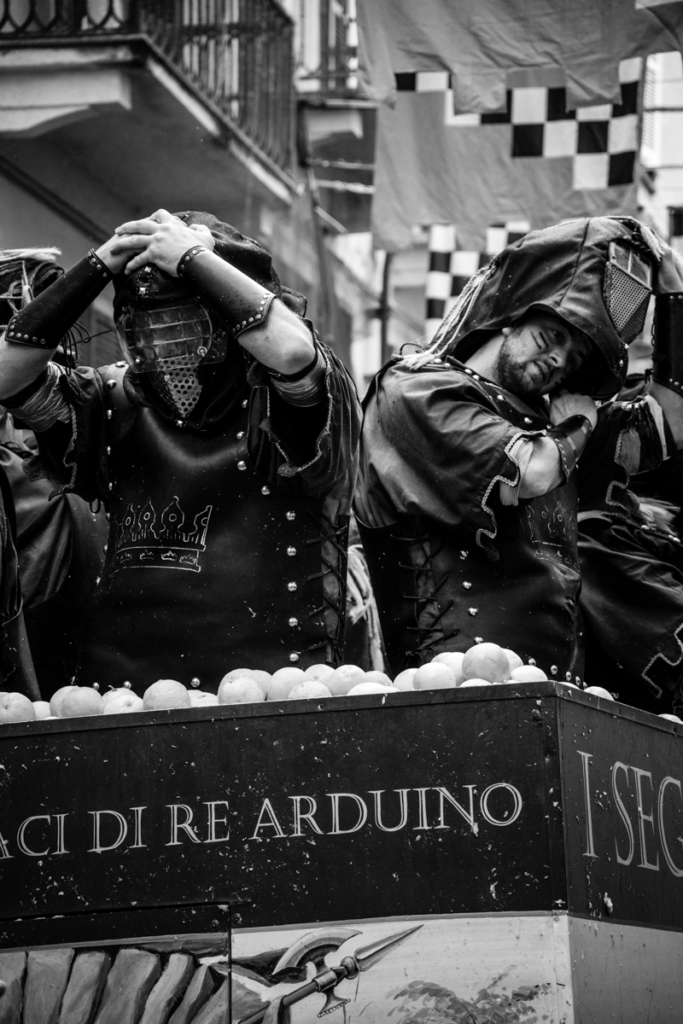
<point x="534" y="160"/>
<point x="478" y="41"/>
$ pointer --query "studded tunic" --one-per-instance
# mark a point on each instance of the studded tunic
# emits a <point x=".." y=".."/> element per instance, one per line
<point x="450" y="563"/>
<point x="224" y="552"/>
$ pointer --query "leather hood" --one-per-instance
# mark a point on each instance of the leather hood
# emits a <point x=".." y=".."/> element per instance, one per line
<point x="561" y="269"/>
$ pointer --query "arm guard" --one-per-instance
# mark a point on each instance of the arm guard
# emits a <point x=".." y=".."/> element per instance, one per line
<point x="667" y="357"/>
<point x="45" y="321"/>
<point x="571" y="437"/>
<point x="239" y="301"/>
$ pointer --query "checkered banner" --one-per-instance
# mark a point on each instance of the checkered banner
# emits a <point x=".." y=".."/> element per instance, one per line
<point x="450" y="268"/>
<point x="602" y="141"/>
<point x="534" y="160"/>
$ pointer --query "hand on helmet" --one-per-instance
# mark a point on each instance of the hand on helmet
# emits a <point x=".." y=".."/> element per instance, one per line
<point x="160" y="239"/>
<point x="566" y="405"/>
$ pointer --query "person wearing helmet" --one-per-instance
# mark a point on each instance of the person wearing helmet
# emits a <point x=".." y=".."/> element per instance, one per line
<point x="475" y="452"/>
<point x="223" y="449"/>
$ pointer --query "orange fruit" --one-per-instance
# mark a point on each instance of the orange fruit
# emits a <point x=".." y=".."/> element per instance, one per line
<point x="202" y="699"/>
<point x="527" y="674"/>
<point x="81" y="702"/>
<point x="15" y="707"/>
<point x="310" y="688"/>
<point x="475" y="682"/>
<point x="404" y="680"/>
<point x="123" y="702"/>
<point x="343" y="678"/>
<point x="164" y="695"/>
<point x="599" y="691"/>
<point x="370" y="686"/>
<point x="57" y="697"/>
<point x="319" y="672"/>
<point x="486" y="661"/>
<point x="282" y="681"/>
<point x="454" y="661"/>
<point x="240" y="690"/>
<point x="513" y="658"/>
<point x="375" y="676"/>
<point x="42" y="710"/>
<point x="434" y="676"/>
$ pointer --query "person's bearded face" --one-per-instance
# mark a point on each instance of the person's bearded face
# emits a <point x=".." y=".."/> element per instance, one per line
<point x="539" y="354"/>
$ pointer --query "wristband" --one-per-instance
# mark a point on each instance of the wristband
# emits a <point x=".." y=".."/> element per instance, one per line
<point x="305" y="387"/>
<point x="571" y="437"/>
<point x="236" y="298"/>
<point x="95" y="261"/>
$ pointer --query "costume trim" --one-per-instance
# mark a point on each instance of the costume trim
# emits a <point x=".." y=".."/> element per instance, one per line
<point x="492" y="534"/>
<point x="657" y="690"/>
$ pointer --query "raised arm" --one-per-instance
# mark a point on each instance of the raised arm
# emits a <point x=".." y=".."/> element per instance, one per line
<point x="281" y="341"/>
<point x="34" y="332"/>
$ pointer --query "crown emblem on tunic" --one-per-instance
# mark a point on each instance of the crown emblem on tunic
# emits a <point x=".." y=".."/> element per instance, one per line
<point x="146" y="538"/>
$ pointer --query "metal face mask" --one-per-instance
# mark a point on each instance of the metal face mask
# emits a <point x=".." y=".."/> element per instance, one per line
<point x="169" y="344"/>
<point x="627" y="287"/>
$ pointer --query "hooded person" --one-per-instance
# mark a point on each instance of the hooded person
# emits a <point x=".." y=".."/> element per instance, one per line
<point x="223" y="448"/>
<point x="470" y="482"/>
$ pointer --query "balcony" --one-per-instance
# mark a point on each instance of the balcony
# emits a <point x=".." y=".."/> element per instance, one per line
<point x="235" y="56"/>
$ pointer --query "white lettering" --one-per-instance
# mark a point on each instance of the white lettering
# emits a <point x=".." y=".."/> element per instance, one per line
<point x="483" y="804"/>
<point x="177" y="825"/>
<point x="137" y="828"/>
<point x="467" y="815"/>
<point x="213" y="821"/>
<point x="300" y="816"/>
<point x="590" y="848"/>
<point x="362" y="813"/>
<point x="4" y="852"/>
<point x="60" y="835"/>
<point x="21" y="833"/>
<point x="668" y="781"/>
<point x="640" y="773"/>
<point x="620" y="766"/>
<point x="422" y="824"/>
<point x="403" y="804"/>
<point x="97" y="846"/>
<point x="268" y="822"/>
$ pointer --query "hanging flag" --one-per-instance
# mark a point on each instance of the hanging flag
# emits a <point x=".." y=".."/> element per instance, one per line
<point x="478" y="42"/>
<point x="535" y="160"/>
<point x="451" y="268"/>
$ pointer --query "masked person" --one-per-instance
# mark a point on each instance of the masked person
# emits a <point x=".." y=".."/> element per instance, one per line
<point x="223" y="449"/>
<point x="476" y="453"/>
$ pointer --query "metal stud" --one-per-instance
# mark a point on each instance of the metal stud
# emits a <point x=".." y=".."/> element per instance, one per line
<point x="108" y="450"/>
<point x="179" y="423"/>
<point x="97" y="580"/>
<point x="463" y="554"/>
<point x="291" y="551"/>
<point x="265" y="490"/>
<point x="577" y="680"/>
<point x="553" y="670"/>
<point x="107" y="516"/>
<point x="95" y="686"/>
<point x="105" y="548"/>
<point x="240" y="435"/>
<point x="294" y="656"/>
<point x="568" y="676"/>
<point x="478" y="639"/>
<point x="290" y="515"/>
<point x="110" y="486"/>
<point x="121" y="363"/>
<point x="109" y="414"/>
<point x="500" y="398"/>
<point x="532" y="661"/>
<point x="111" y="384"/>
<point x="241" y="465"/>
<point x="194" y="681"/>
<point x="472" y="611"/>
<point x="292" y="586"/>
<point x="527" y="420"/>
<point x="128" y="685"/>
<point x="293" y="622"/>
<point x="466" y="585"/>
<point x="245" y="403"/>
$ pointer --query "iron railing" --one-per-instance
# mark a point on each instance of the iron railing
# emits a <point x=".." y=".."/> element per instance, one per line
<point x="237" y="53"/>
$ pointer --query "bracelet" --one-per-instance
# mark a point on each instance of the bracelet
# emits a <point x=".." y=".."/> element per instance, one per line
<point x="187" y="256"/>
<point x="571" y="437"/>
<point x="95" y="261"/>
